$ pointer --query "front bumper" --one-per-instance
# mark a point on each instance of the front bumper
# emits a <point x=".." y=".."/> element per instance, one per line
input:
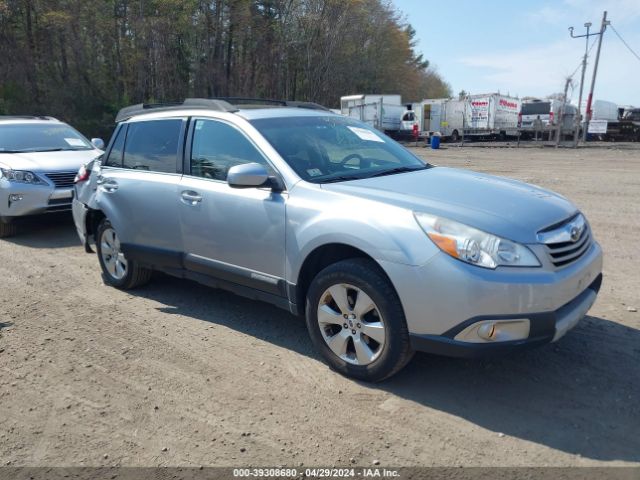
<point x="445" y="296"/>
<point x="545" y="328"/>
<point x="32" y="199"/>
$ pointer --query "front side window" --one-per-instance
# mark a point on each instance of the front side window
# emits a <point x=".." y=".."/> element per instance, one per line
<point x="334" y="148"/>
<point x="41" y="137"/>
<point x="218" y="146"/>
<point x="153" y="145"/>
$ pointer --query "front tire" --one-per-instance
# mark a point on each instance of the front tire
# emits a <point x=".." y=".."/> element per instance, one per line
<point x="118" y="270"/>
<point x="7" y="228"/>
<point x="356" y="321"/>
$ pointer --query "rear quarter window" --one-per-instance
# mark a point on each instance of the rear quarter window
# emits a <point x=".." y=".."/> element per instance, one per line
<point x="115" y="154"/>
<point x="153" y="145"/>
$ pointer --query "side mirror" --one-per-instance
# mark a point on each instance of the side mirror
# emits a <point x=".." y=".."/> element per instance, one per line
<point x="252" y="175"/>
<point x="98" y="143"/>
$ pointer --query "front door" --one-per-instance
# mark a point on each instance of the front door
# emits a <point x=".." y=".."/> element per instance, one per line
<point x="237" y="235"/>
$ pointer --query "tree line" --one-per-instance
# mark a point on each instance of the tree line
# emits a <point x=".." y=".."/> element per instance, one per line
<point x="83" y="60"/>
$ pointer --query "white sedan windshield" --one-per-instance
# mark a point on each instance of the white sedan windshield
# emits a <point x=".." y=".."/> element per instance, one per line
<point x="40" y="137"/>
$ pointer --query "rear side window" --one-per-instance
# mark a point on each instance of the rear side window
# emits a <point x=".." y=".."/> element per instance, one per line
<point x="153" y="145"/>
<point x="115" y="155"/>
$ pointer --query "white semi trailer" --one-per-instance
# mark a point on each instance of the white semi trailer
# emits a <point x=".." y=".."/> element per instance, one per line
<point x="490" y="115"/>
<point x="383" y="112"/>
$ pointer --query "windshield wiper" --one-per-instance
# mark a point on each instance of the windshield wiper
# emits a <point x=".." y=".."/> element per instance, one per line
<point x="393" y="171"/>
<point x="342" y="179"/>
<point x="29" y="150"/>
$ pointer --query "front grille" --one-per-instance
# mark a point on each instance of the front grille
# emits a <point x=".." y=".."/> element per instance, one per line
<point x="62" y="179"/>
<point x="561" y="248"/>
<point x="59" y="208"/>
<point x="60" y="201"/>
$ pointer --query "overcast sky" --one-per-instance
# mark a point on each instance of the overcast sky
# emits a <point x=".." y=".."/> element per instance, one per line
<point x="524" y="48"/>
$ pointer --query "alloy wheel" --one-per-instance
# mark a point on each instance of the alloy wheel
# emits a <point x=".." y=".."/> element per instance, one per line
<point x="112" y="256"/>
<point x="351" y="324"/>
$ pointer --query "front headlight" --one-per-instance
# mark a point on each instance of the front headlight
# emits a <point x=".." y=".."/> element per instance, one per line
<point x="21" y="176"/>
<point x="474" y="246"/>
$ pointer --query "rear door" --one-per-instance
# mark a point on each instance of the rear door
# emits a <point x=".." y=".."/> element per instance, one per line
<point x="138" y="187"/>
<point x="435" y="117"/>
<point x="237" y="235"/>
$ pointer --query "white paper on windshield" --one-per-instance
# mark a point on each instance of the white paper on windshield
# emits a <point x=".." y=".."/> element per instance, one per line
<point x="365" y="134"/>
<point x="74" y="142"/>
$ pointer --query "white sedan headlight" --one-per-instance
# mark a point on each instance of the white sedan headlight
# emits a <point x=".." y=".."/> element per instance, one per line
<point x="20" y="176"/>
<point x="474" y="246"/>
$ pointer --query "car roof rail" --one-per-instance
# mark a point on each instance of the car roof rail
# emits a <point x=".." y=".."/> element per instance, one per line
<point x="249" y="102"/>
<point x="189" y="103"/>
<point x="309" y="105"/>
<point x="28" y="117"/>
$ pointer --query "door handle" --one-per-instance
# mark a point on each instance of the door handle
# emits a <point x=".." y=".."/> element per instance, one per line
<point x="190" y="197"/>
<point x="106" y="184"/>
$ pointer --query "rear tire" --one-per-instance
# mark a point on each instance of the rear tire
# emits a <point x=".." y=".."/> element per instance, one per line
<point x="7" y="228"/>
<point x="455" y="136"/>
<point x="118" y="270"/>
<point x="367" y="336"/>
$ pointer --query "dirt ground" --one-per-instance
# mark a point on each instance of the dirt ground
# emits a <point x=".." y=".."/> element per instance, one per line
<point x="179" y="374"/>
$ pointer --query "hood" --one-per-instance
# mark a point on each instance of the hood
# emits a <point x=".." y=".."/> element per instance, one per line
<point x="508" y="208"/>
<point x="65" y="161"/>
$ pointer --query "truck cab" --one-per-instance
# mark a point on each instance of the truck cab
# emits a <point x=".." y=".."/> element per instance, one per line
<point x="548" y="111"/>
<point x="409" y="123"/>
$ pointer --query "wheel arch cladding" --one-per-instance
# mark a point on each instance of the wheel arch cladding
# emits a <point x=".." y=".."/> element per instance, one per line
<point x="320" y="258"/>
<point x="93" y="220"/>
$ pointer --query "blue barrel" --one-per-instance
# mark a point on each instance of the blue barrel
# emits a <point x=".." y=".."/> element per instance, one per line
<point x="435" y="142"/>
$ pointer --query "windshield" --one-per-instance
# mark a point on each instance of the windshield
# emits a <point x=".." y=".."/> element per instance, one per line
<point x="335" y="148"/>
<point x="40" y="137"/>
<point x="536" y="108"/>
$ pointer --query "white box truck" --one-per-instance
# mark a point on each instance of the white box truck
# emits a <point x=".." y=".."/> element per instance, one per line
<point x="383" y="112"/>
<point x="491" y="115"/>
<point x="428" y="115"/>
<point x="444" y="116"/>
<point x="603" y="110"/>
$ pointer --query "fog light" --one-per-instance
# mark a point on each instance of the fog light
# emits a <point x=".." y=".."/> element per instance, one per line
<point x="487" y="331"/>
<point x="15" y="197"/>
<point x="503" y="330"/>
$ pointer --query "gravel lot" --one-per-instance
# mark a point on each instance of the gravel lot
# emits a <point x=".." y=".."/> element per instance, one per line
<point x="178" y="374"/>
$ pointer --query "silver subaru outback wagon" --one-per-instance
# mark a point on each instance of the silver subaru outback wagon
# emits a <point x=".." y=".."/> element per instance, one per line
<point x="327" y="218"/>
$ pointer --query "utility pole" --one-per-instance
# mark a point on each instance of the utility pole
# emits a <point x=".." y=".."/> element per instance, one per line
<point x="578" y="119"/>
<point x="588" y="112"/>
<point x="562" y="109"/>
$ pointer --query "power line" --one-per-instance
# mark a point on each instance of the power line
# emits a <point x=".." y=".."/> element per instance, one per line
<point x="625" y="43"/>
<point x="580" y="64"/>
<point x="578" y="67"/>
